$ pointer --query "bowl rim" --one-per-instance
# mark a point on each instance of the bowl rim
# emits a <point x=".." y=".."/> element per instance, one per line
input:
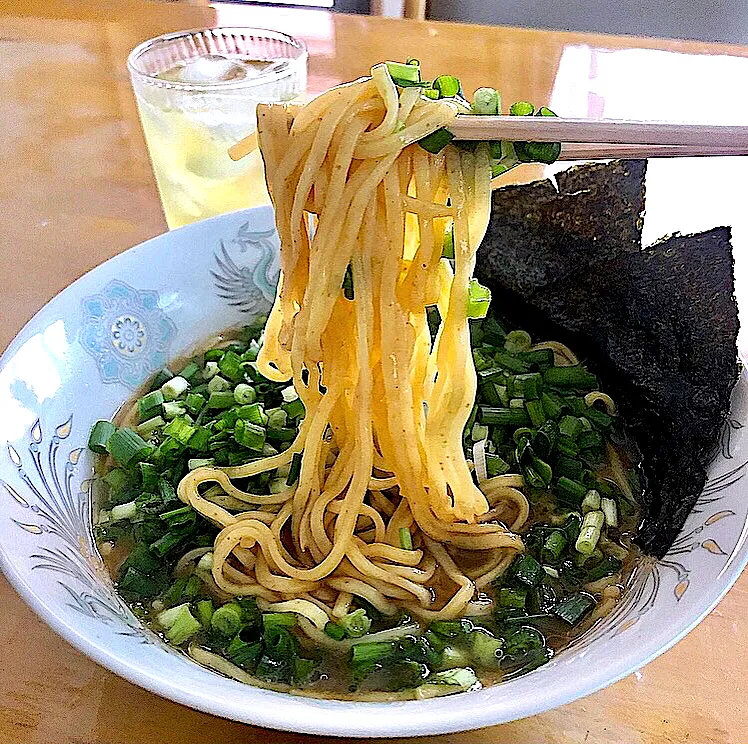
<point x="403" y="718"/>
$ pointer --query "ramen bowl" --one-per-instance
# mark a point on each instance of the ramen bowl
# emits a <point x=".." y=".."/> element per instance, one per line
<point x="92" y="347"/>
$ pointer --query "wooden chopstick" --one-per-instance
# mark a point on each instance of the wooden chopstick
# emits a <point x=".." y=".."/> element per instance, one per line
<point x="552" y="129"/>
<point x="589" y="151"/>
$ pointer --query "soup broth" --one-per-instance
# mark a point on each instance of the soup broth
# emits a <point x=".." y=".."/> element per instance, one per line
<point x="567" y="455"/>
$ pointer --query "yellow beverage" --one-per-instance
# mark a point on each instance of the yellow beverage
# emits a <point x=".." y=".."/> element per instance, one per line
<point x="194" y="110"/>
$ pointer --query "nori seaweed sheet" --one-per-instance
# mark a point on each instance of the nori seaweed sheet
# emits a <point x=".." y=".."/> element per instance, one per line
<point x="659" y="325"/>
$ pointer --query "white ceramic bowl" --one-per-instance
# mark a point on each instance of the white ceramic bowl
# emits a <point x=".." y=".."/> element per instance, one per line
<point x="96" y="342"/>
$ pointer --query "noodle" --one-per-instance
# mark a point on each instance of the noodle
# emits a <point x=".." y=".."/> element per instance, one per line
<point x="381" y="442"/>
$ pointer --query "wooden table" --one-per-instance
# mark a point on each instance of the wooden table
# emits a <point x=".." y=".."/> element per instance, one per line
<point x="76" y="187"/>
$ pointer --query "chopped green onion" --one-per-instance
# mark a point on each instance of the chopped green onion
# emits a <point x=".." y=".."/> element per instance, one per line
<point x="574" y="607"/>
<point x="521" y="108"/>
<point x="194" y="402"/>
<point x="180" y="516"/>
<point x="284" y="434"/>
<point x="172" y="409"/>
<point x="221" y="399"/>
<point x="179" y="622"/>
<point x="123" y="511"/>
<point x="570" y="491"/>
<point x="167" y="542"/>
<point x="569" y="467"/>
<point x="204" y="609"/>
<point x="608" y="566"/>
<point x="244" y="394"/>
<point x="210" y="370"/>
<point x="591" y="501"/>
<point x="294" y="409"/>
<point x="479" y="432"/>
<point x="334" y="631"/>
<point x="436" y="141"/>
<point x="371" y="653"/>
<point x="174" y="388"/>
<point x="479" y="298"/>
<point x="242" y="653"/>
<point x="219" y="384"/>
<point x="451" y="628"/>
<point x="496" y="465"/>
<point x="487" y="102"/>
<point x="199" y="440"/>
<point x="517" y="341"/>
<point x="447" y="683"/>
<point x="554" y="546"/>
<point x="148" y="427"/>
<point x="137" y="585"/>
<point x="180" y="428"/>
<point x="599" y="419"/>
<point x="406" y="539"/>
<point x="230" y="365"/>
<point x="249" y="435"/>
<point x="404" y="72"/>
<point x="448" y="86"/>
<point x="610" y="511"/>
<point x="115" y="479"/>
<point x="276" y="418"/>
<point x="161" y="377"/>
<point x="486" y="649"/>
<point x="570" y="377"/>
<point x="590" y="532"/>
<point x="148" y="476"/>
<point x="356" y="623"/>
<point x="99" y="436"/>
<point x="227" y="619"/>
<point x="294" y="470"/>
<point x="502" y="416"/>
<point x="526" y="570"/>
<point x="570" y="426"/>
<point x="190" y="370"/>
<point x="511" y="362"/>
<point x="253" y="413"/>
<point x="512" y="598"/>
<point x="127" y="447"/>
<point x="536" y="412"/>
<point x="150" y="405"/>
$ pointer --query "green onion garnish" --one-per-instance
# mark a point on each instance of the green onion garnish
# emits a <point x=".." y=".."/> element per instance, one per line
<point x="99" y="436"/>
<point x="126" y="446"/>
<point x="227" y="619"/>
<point x="436" y="141"/>
<point x="406" y="539"/>
<point x="448" y="86"/>
<point x="479" y="298"/>
<point x="590" y="531"/>
<point x="487" y="102"/>
<point x="572" y="609"/>
<point x="356" y="623"/>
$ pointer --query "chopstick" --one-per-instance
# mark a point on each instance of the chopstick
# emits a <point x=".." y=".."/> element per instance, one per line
<point x="589" y="151"/>
<point x="551" y="129"/>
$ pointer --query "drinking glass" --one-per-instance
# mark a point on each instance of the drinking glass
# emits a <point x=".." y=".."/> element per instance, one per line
<point x="197" y="94"/>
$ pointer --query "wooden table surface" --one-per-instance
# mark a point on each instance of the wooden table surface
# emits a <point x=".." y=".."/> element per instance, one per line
<point x="76" y="188"/>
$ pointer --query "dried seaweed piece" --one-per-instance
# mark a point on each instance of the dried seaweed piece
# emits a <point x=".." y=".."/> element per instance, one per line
<point x="596" y="211"/>
<point x="658" y="325"/>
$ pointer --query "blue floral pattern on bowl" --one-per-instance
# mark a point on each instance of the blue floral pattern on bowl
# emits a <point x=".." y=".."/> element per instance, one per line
<point x="126" y="332"/>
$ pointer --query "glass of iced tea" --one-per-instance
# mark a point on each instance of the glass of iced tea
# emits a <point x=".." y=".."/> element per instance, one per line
<point x="197" y="92"/>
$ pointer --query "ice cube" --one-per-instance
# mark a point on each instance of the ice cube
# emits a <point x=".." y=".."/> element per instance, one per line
<point x="212" y="68"/>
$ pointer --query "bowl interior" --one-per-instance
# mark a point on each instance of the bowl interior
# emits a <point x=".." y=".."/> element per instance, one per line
<point x="90" y="349"/>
